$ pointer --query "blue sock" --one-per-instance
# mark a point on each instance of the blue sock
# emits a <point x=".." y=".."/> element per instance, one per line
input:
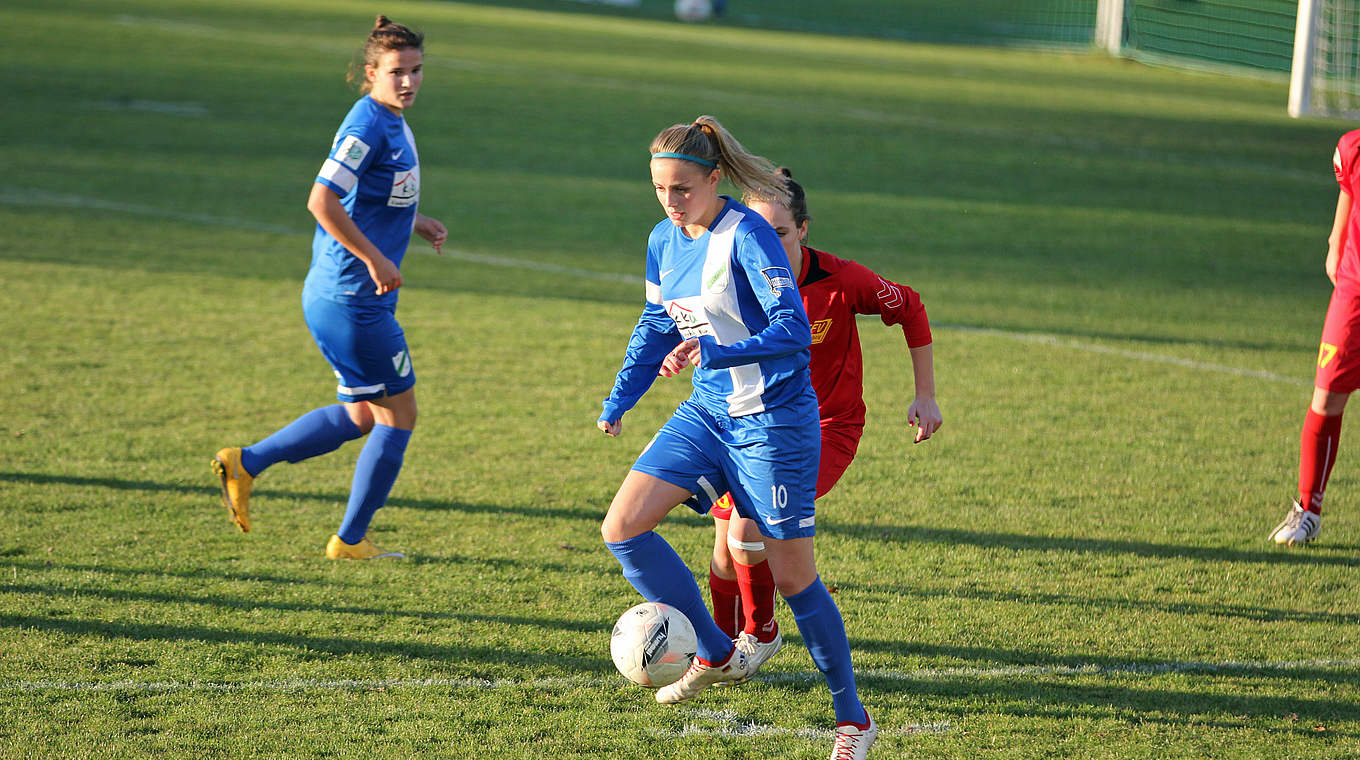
<point x="374" y="474"/>
<point x="317" y="432"/>
<point x="658" y="573"/>
<point x="824" y="633"/>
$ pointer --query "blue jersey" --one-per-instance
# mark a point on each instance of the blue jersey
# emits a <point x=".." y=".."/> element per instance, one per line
<point x="374" y="169"/>
<point x="732" y="289"/>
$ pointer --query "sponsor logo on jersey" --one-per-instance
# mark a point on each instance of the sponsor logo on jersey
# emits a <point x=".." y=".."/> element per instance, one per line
<point x="690" y="323"/>
<point x="819" y="330"/>
<point x="396" y="154"/>
<point x="351" y="152"/>
<point x="778" y="277"/>
<point x="405" y="189"/>
<point x="401" y="362"/>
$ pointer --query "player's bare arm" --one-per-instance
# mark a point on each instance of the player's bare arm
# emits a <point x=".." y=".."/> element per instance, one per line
<point x="924" y="412"/>
<point x="1336" y="242"/>
<point x="330" y="214"/>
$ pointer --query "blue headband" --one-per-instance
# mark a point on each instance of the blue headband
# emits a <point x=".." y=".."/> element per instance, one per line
<point x="687" y="157"/>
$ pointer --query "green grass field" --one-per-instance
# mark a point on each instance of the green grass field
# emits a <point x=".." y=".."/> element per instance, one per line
<point x="1123" y="266"/>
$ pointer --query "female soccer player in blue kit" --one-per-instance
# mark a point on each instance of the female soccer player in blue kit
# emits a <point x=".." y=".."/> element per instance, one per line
<point x="720" y="296"/>
<point x="364" y="200"/>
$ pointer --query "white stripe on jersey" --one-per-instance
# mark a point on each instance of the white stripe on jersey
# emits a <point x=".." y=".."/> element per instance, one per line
<point x="653" y="293"/>
<point x="334" y="171"/>
<point x="719" y="299"/>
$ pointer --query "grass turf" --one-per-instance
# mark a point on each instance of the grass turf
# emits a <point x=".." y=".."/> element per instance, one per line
<point x="1123" y="266"/>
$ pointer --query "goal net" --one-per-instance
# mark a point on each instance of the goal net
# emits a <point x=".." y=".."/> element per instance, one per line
<point x="1254" y="35"/>
<point x="1326" y="69"/>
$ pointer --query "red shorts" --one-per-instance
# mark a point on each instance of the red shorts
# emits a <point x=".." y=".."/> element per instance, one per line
<point x="1338" y="365"/>
<point x="839" y="445"/>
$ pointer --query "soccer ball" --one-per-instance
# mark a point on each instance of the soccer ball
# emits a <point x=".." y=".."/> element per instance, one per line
<point x="653" y="644"/>
<point x="693" y="10"/>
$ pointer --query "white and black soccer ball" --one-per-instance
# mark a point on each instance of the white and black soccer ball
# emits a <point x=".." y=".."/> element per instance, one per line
<point x="653" y="644"/>
<point x="693" y="11"/>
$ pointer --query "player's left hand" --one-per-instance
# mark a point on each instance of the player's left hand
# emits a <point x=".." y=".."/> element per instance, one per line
<point x="433" y="231"/>
<point x="681" y="356"/>
<point x="611" y="429"/>
<point x="924" y="415"/>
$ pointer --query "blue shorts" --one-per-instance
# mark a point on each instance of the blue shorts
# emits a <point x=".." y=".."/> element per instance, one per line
<point x="770" y="469"/>
<point x="364" y="345"/>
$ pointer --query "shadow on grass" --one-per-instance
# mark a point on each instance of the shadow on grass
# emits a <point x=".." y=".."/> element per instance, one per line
<point x="1019" y="542"/>
<point x="984" y="658"/>
<point x="1028" y="697"/>
<point x="1131" y="605"/>
<point x="231" y="603"/>
<point x="213" y="494"/>
<point x="306" y="647"/>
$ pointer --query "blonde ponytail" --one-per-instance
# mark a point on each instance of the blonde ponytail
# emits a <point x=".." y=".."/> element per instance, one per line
<point x="706" y="140"/>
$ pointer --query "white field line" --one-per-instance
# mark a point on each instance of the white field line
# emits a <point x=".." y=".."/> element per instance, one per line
<point x="1057" y="342"/>
<point x="13" y="196"/>
<point x="729" y="723"/>
<point x="924" y="674"/>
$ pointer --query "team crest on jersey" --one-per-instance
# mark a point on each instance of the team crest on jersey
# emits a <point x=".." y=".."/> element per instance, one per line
<point x="716" y="282"/>
<point x="351" y="152"/>
<point x="405" y="189"/>
<point x="401" y="362"/>
<point x="819" y="330"/>
<point x="778" y="277"/>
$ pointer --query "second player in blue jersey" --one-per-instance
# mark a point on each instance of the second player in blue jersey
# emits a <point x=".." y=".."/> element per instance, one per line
<point x="365" y="201"/>
<point x="720" y="297"/>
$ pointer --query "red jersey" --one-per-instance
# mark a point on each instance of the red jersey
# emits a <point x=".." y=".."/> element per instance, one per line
<point x="1346" y="164"/>
<point x="835" y="290"/>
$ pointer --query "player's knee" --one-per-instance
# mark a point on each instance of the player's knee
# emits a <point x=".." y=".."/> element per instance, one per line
<point x="361" y="414"/>
<point x="615" y="528"/>
<point x="1329" y="403"/>
<point x="722" y="563"/>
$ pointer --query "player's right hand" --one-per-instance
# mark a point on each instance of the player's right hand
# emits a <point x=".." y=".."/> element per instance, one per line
<point x="610" y="429"/>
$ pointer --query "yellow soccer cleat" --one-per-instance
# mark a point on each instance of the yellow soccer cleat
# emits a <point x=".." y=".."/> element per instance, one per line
<point x="365" y="549"/>
<point x="236" y="485"/>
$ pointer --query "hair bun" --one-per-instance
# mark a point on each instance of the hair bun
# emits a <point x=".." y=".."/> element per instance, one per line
<point x="380" y="22"/>
<point x="784" y="170"/>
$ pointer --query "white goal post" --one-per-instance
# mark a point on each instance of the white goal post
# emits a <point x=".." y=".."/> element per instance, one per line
<point x="1325" y="78"/>
<point x="1110" y="26"/>
<point x="1305" y="54"/>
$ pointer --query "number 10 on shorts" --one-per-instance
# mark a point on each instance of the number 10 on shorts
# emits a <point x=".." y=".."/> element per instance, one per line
<point x="779" y="497"/>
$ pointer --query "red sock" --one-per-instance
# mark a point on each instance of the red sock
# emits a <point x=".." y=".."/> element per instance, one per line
<point x="757" y="599"/>
<point x="1317" y="454"/>
<point x="726" y="603"/>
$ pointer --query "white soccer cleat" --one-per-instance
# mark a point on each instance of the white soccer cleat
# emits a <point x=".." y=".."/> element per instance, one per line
<point x="757" y="651"/>
<point x="701" y="676"/>
<point x="853" y="741"/>
<point x="1298" y="527"/>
